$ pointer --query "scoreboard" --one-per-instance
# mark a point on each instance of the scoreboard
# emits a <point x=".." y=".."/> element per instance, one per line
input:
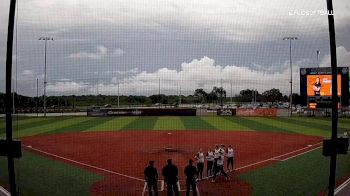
<point x="316" y="87"/>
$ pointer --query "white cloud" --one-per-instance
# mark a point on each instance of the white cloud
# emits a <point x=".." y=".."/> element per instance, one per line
<point x="118" y="52"/>
<point x="67" y="87"/>
<point x="343" y="58"/>
<point x="202" y="73"/>
<point x="101" y="52"/>
<point x="28" y="72"/>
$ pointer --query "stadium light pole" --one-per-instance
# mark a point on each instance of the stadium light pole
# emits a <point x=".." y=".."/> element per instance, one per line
<point x="231" y="93"/>
<point x="45" y="81"/>
<point x="37" y="97"/>
<point x="290" y="39"/>
<point x="159" y="92"/>
<point x="118" y="93"/>
<point x="318" y="57"/>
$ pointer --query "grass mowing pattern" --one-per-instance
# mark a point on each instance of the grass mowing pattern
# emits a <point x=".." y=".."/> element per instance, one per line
<point x="303" y="175"/>
<point x="21" y="122"/>
<point x="223" y="124"/>
<point x="302" y="128"/>
<point x="87" y="123"/>
<point x="26" y="123"/>
<point x="114" y="124"/>
<point x="256" y="125"/>
<point x="142" y="123"/>
<point x="196" y="123"/>
<point x="169" y="123"/>
<point x="37" y="175"/>
<point x="55" y="123"/>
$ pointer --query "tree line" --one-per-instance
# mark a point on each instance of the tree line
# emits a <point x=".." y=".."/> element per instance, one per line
<point x="217" y="95"/>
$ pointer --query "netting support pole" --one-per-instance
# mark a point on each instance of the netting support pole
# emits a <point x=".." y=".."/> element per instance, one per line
<point x="333" y="161"/>
<point x="8" y="99"/>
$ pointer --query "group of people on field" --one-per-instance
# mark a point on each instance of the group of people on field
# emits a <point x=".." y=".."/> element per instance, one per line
<point x="215" y="165"/>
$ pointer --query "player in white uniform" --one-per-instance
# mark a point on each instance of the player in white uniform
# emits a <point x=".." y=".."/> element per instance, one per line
<point x="220" y="168"/>
<point x="229" y="155"/>
<point x="216" y="155"/>
<point x="200" y="163"/>
<point x="210" y="162"/>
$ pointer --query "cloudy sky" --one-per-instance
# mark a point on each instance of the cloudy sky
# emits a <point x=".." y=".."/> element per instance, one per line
<point x="100" y="46"/>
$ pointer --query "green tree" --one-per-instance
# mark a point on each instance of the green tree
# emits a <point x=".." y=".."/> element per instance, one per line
<point x="201" y="95"/>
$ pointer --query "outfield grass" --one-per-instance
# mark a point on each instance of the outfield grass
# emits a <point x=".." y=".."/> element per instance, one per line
<point x="169" y="123"/>
<point x="303" y="175"/>
<point x="223" y="124"/>
<point x="52" y="125"/>
<point x="112" y="124"/>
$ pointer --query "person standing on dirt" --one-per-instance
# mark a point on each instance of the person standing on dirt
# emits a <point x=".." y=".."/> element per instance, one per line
<point x="191" y="172"/>
<point x="170" y="173"/>
<point x="210" y="162"/>
<point x="230" y="155"/>
<point x="219" y="169"/>
<point x="151" y="177"/>
<point x="216" y="156"/>
<point x="200" y="163"/>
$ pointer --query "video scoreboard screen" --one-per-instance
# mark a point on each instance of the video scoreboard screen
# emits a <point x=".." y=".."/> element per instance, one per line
<point x="316" y="87"/>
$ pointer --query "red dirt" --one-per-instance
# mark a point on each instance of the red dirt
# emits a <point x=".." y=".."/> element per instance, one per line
<point x="129" y="152"/>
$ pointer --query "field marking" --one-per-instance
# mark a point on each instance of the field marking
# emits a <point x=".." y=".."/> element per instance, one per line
<point x="300" y="154"/>
<point x="342" y="186"/>
<point x="84" y="164"/>
<point x="308" y="146"/>
<point x="4" y="192"/>
<point x="102" y="169"/>
<point x="275" y="158"/>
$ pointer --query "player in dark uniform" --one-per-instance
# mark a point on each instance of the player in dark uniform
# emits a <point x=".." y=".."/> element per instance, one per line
<point x="191" y="173"/>
<point x="151" y="177"/>
<point x="170" y="173"/>
<point x="317" y="87"/>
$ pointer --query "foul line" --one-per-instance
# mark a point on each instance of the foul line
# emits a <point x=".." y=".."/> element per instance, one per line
<point x="300" y="154"/>
<point x="276" y="158"/>
<point x="4" y="191"/>
<point x="342" y="186"/>
<point x="86" y="165"/>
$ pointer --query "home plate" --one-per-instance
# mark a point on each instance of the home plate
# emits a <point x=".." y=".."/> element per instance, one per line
<point x="169" y="133"/>
<point x="29" y="146"/>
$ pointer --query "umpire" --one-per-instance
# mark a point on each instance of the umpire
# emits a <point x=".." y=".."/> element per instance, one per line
<point x="170" y="173"/>
<point x="151" y="177"/>
<point x="191" y="172"/>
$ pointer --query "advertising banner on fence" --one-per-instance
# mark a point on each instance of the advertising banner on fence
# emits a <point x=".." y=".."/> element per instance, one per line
<point x="263" y="112"/>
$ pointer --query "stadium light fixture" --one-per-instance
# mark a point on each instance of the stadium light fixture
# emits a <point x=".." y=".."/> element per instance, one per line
<point x="290" y="39"/>
<point x="45" y="81"/>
